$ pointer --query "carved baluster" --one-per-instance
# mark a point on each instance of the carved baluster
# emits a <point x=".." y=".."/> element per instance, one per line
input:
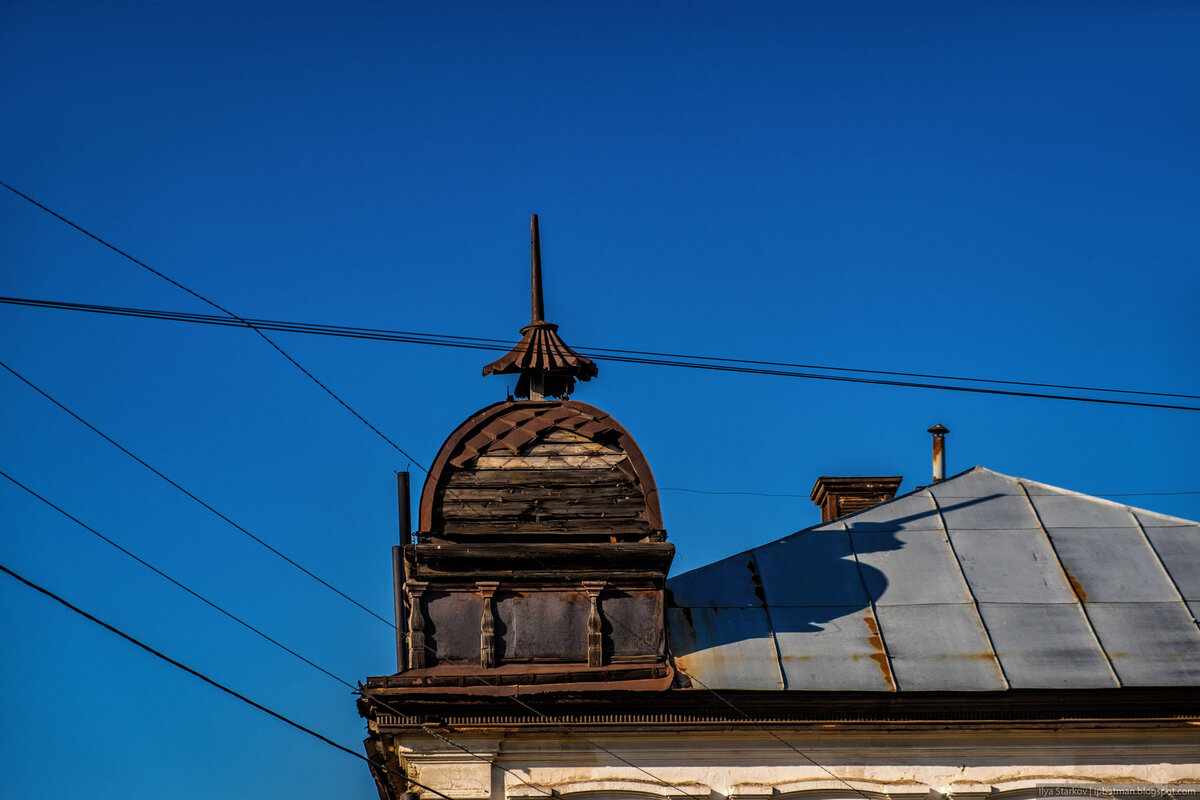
<point x="595" y="624"/>
<point x="487" y="624"/>
<point x="416" y="624"/>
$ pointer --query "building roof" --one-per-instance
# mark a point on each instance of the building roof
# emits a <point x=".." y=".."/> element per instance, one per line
<point x="980" y="582"/>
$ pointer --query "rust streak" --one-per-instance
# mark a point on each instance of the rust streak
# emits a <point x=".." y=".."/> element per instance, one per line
<point x="880" y="655"/>
<point x="1076" y="587"/>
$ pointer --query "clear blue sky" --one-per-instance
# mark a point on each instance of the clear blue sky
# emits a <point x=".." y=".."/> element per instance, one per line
<point x="1004" y="191"/>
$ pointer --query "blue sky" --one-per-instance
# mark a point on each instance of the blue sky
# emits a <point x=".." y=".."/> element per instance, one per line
<point x="1004" y="191"/>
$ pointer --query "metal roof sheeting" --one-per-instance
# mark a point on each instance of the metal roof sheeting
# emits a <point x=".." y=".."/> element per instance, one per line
<point x="981" y="582"/>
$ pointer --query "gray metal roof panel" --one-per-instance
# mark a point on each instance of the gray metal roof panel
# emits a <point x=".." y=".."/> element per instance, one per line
<point x="909" y="567"/>
<point x="724" y="584"/>
<point x="1046" y="646"/>
<point x="1016" y="566"/>
<point x="831" y="649"/>
<point x="939" y="647"/>
<point x="725" y="648"/>
<point x="826" y="575"/>
<point x="910" y="512"/>
<point x="1114" y="565"/>
<point x="1070" y="510"/>
<point x="1178" y="548"/>
<point x="982" y="500"/>
<point x="798" y="606"/>
<point x="1149" y="644"/>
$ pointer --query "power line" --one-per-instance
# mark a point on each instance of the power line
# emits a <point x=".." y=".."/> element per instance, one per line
<point x="714" y="363"/>
<point x="314" y="576"/>
<point x="806" y="497"/>
<point x="378" y="701"/>
<point x="220" y="308"/>
<point x="180" y="665"/>
<point x="745" y="494"/>
<point x="248" y="626"/>
<point x="136" y="458"/>
<point x="181" y="585"/>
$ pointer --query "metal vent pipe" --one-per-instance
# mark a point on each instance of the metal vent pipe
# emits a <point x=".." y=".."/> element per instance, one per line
<point x="939" y="451"/>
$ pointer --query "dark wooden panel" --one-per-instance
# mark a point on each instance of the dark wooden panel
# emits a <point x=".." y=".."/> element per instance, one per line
<point x="542" y="625"/>
<point x="471" y="494"/>
<point x="553" y="525"/>
<point x="452" y="624"/>
<point x="536" y="477"/>
<point x="542" y="509"/>
<point x="633" y="622"/>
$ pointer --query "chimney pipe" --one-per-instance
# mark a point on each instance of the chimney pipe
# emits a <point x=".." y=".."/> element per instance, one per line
<point x="939" y="452"/>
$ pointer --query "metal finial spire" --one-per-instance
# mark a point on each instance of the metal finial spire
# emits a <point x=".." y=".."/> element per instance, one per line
<point x="547" y="366"/>
<point x="537" y="309"/>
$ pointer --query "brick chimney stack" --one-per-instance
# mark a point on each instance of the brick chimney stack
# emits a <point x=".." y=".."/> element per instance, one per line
<point x="838" y="497"/>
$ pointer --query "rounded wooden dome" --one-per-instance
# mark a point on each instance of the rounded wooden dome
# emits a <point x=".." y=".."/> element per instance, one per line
<point x="540" y="471"/>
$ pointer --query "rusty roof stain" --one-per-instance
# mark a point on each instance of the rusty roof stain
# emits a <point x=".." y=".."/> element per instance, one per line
<point x="975" y="583"/>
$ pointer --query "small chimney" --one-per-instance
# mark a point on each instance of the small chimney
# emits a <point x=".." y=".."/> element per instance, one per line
<point x="838" y="497"/>
<point x="939" y="452"/>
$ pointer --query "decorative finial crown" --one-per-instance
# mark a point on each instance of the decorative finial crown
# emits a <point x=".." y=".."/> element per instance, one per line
<point x="547" y="366"/>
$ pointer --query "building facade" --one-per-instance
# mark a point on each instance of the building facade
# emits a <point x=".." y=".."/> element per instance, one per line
<point x="983" y="636"/>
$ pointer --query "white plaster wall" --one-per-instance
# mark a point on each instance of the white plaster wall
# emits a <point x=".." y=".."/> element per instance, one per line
<point x="755" y="765"/>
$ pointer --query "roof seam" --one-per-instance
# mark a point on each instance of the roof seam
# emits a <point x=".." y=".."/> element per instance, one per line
<point x="937" y="507"/>
<point x="1162" y="565"/>
<point x="887" y="655"/>
<point x="1062" y="567"/>
<point x="766" y="607"/>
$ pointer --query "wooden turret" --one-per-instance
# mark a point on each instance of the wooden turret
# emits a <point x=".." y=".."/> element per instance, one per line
<point x="540" y="558"/>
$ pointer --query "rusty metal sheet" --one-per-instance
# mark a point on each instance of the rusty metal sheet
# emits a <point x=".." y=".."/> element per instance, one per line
<point x="1149" y="644"/>
<point x="726" y="648"/>
<point x="798" y="606"/>
<point x="1046" y="646"/>
<point x="1011" y="566"/>
<point x="1114" y="565"/>
<point x="831" y="648"/>
<point x="939" y="647"/>
<point x="909" y="567"/>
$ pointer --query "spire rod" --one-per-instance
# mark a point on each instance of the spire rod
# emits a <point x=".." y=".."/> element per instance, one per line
<point x="547" y="366"/>
<point x="537" y="310"/>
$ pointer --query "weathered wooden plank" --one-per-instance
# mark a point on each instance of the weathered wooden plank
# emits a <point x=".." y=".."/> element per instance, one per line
<point x="535" y="477"/>
<point x="572" y="449"/>
<point x="523" y="511"/>
<point x="600" y="491"/>
<point x="561" y="435"/>
<point x="554" y="525"/>
<point x="498" y="462"/>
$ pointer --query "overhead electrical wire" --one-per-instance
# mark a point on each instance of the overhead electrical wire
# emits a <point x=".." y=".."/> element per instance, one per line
<point x="281" y="555"/>
<point x="212" y="682"/>
<point x="178" y="583"/>
<point x="714" y="363"/>
<point x="174" y="483"/>
<point x="611" y="354"/>
<point x="808" y="497"/>
<point x="220" y="308"/>
<point x="248" y="626"/>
